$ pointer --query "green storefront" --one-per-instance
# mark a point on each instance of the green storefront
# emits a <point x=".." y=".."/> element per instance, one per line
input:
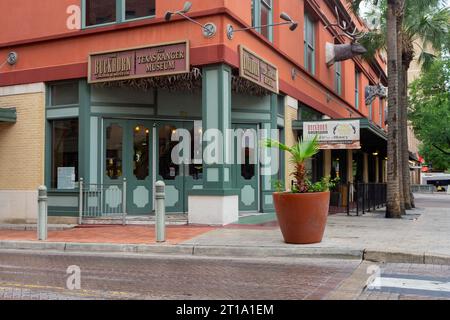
<point x="116" y="137"/>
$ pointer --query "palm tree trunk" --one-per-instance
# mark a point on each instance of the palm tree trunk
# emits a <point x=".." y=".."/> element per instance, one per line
<point x="393" y="208"/>
<point x="406" y="177"/>
<point x="401" y="94"/>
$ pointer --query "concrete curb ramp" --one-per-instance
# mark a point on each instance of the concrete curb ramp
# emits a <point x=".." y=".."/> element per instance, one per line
<point x="233" y="251"/>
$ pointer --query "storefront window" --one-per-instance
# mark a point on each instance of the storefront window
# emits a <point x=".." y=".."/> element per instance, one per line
<point x="141" y="159"/>
<point x="100" y="12"/>
<point x="114" y="147"/>
<point x="64" y="153"/>
<point x="139" y="8"/>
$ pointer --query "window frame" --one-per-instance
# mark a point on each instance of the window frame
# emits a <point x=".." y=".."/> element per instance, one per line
<point x="120" y="15"/>
<point x="309" y="26"/>
<point x="256" y="16"/>
<point x="381" y="107"/>
<point x="338" y="77"/>
<point x="357" y="88"/>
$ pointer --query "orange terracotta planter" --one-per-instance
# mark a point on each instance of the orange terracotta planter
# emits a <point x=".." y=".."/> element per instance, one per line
<point x="302" y="216"/>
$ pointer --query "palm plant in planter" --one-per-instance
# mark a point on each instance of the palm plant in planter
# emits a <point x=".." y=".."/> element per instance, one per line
<point x="302" y="212"/>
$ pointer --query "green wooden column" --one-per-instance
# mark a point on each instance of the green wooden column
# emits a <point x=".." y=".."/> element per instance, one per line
<point x="216" y="104"/>
<point x="268" y="180"/>
<point x="217" y="203"/>
<point x="84" y="123"/>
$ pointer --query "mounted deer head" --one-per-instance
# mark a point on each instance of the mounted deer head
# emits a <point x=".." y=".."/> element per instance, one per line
<point x="371" y="92"/>
<point x="342" y="52"/>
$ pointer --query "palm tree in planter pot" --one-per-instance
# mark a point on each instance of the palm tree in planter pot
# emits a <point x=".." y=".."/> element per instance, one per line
<point x="302" y="212"/>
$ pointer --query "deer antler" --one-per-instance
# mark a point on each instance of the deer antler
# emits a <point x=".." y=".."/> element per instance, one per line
<point x="354" y="35"/>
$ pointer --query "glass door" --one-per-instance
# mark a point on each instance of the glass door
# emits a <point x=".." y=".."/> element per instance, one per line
<point x="128" y="154"/>
<point x="179" y="176"/>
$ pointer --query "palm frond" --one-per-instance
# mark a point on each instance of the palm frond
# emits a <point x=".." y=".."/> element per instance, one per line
<point x="270" y="143"/>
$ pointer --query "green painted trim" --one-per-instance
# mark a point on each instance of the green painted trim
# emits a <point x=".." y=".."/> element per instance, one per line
<point x="84" y="125"/>
<point x="258" y="219"/>
<point x="248" y="110"/>
<point x="63" y="212"/>
<point x="123" y="105"/>
<point x="214" y="192"/>
<point x="8" y="115"/>
<point x="67" y="106"/>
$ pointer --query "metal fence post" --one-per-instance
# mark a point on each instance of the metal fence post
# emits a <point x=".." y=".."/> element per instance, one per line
<point x="42" y="214"/>
<point x="160" y="195"/>
<point x="80" y="202"/>
<point x="124" y="202"/>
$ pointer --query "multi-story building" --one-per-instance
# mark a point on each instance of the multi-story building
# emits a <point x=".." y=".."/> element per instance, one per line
<point x="99" y="87"/>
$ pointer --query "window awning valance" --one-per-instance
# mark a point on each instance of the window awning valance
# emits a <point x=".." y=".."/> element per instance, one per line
<point x="8" y="115"/>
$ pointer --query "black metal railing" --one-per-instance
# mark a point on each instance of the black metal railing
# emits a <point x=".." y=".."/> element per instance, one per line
<point x="366" y="197"/>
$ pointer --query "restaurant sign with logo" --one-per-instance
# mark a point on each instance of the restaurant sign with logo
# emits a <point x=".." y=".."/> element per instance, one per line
<point x="143" y="62"/>
<point x="257" y="70"/>
<point x="344" y="134"/>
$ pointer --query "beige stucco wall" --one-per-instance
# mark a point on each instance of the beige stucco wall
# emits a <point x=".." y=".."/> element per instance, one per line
<point x="290" y="138"/>
<point x="22" y="152"/>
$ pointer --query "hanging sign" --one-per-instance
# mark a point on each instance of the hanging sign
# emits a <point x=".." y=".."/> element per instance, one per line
<point x="343" y="134"/>
<point x="151" y="61"/>
<point x="257" y="70"/>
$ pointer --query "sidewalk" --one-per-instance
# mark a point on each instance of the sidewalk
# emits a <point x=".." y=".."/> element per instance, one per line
<point x="423" y="236"/>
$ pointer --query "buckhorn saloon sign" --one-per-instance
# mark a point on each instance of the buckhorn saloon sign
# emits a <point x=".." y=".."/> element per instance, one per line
<point x="258" y="70"/>
<point x="343" y="134"/>
<point x="143" y="62"/>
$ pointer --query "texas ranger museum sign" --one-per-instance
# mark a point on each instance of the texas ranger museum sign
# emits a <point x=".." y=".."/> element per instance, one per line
<point x="143" y="62"/>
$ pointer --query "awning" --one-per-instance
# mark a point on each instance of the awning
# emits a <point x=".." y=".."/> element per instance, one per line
<point x="373" y="138"/>
<point x="8" y="115"/>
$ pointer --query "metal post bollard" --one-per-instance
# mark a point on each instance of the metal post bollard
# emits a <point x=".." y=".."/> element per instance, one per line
<point x="160" y="196"/>
<point x="42" y="214"/>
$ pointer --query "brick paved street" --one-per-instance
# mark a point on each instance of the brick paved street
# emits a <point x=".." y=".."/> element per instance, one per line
<point x="43" y="276"/>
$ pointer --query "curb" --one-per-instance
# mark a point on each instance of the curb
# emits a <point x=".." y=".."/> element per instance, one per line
<point x="191" y="249"/>
<point x="405" y="257"/>
<point x="370" y="255"/>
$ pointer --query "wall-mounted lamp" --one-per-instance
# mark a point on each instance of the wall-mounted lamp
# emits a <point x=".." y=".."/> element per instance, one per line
<point x="209" y="29"/>
<point x="284" y="16"/>
<point x="375" y="153"/>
